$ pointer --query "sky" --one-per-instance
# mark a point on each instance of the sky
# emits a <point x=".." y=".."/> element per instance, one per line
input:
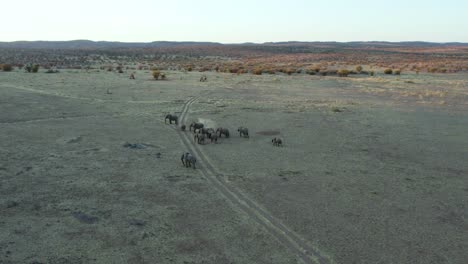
<point x="235" y="21"/>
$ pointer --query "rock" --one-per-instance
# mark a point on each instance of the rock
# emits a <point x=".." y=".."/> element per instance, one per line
<point x="11" y="204"/>
<point x="84" y="218"/>
<point x="136" y="222"/>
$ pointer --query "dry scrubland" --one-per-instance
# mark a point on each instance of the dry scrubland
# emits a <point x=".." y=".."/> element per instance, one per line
<point x="373" y="170"/>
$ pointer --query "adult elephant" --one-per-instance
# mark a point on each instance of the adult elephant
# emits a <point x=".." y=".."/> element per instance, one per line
<point x="188" y="160"/>
<point x="222" y="131"/>
<point x="171" y="118"/>
<point x="196" y="126"/>
<point x="243" y="131"/>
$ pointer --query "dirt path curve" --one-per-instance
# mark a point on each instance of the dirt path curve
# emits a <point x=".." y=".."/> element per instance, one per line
<point x="297" y="245"/>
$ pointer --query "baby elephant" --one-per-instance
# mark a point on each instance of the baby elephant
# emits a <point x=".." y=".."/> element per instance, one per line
<point x="243" y="131"/>
<point x="277" y="142"/>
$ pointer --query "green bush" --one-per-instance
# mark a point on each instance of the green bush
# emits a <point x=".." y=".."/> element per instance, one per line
<point x="388" y="71"/>
<point x="35" y="68"/>
<point x="359" y="69"/>
<point x="397" y="72"/>
<point x="371" y="73"/>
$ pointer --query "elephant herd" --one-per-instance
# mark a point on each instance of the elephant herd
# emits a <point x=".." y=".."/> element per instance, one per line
<point x="202" y="134"/>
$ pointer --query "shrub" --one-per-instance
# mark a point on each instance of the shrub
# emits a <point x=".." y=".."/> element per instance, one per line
<point x="371" y="73"/>
<point x="397" y="72"/>
<point x="189" y="68"/>
<point x="7" y="67"/>
<point x="388" y="71"/>
<point x="359" y="69"/>
<point x="257" y="71"/>
<point x="156" y="74"/>
<point x="163" y="76"/>
<point x="289" y="71"/>
<point x="35" y="68"/>
<point x="343" y="73"/>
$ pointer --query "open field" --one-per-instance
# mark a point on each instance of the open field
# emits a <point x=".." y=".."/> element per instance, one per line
<point x="373" y="170"/>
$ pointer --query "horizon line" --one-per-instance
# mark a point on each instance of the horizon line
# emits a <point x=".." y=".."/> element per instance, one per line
<point x="246" y="42"/>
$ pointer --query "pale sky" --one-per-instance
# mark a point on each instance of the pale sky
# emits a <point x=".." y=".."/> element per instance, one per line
<point x="235" y="21"/>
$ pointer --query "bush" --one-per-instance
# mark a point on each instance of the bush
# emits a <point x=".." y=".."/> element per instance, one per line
<point x="359" y="69"/>
<point x="371" y="73"/>
<point x="289" y="71"/>
<point x="257" y="71"/>
<point x="397" y="72"/>
<point x="34" y="68"/>
<point x="6" y="67"/>
<point x="156" y="74"/>
<point x="388" y="71"/>
<point x="343" y="73"/>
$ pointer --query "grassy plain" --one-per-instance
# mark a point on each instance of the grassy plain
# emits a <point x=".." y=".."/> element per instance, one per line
<point x="373" y="170"/>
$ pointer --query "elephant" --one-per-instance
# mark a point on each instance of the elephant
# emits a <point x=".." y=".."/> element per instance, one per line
<point x="201" y="139"/>
<point x="222" y="131"/>
<point x="277" y="142"/>
<point x="196" y="126"/>
<point x="213" y="137"/>
<point x="188" y="160"/>
<point x="243" y="131"/>
<point x="208" y="132"/>
<point x="171" y="118"/>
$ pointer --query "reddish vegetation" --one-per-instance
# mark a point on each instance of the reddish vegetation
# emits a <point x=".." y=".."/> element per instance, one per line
<point x="288" y="58"/>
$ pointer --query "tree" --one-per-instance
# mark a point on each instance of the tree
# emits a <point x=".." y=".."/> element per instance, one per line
<point x="388" y="71"/>
<point x="359" y="69"/>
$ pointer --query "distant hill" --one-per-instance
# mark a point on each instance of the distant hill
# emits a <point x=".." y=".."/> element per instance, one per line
<point x="88" y="44"/>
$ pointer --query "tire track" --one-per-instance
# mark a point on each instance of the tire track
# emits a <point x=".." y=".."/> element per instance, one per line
<point x="296" y="244"/>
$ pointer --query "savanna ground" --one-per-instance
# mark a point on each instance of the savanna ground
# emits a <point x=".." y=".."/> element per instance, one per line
<point x="373" y="170"/>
